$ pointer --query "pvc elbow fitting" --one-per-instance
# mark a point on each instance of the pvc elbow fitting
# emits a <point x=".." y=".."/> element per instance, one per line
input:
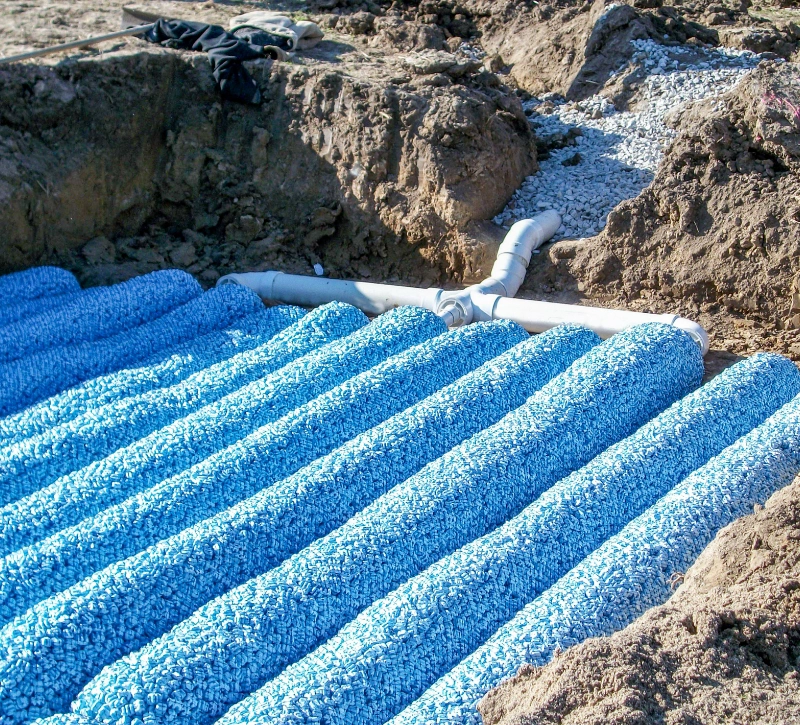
<point x="515" y="252"/>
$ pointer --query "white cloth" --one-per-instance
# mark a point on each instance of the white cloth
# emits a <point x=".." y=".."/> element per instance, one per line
<point x="303" y="34"/>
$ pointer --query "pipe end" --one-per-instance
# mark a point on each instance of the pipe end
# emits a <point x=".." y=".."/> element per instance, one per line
<point x="695" y="331"/>
<point x="260" y="282"/>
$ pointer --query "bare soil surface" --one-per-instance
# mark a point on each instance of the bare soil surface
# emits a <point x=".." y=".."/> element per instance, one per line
<point x="724" y="649"/>
<point x="383" y="154"/>
<point x="375" y="165"/>
<point x="716" y="235"/>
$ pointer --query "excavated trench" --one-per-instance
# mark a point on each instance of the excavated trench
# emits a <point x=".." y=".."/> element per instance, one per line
<point x="378" y="168"/>
<point x="129" y="162"/>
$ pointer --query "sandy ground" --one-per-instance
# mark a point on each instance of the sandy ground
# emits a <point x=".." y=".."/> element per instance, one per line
<point x="724" y="649"/>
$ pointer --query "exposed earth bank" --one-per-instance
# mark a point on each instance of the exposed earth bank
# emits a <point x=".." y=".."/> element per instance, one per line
<point x="716" y="235"/>
<point x="724" y="649"/>
<point x="129" y="161"/>
<point x="383" y="154"/>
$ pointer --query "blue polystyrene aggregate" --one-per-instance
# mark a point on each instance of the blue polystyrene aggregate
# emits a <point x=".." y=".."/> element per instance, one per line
<point x="36" y="282"/>
<point x="628" y="574"/>
<point x="35" y="377"/>
<point x="25" y="308"/>
<point x="29" y="465"/>
<point x="179" y="445"/>
<point x="159" y="371"/>
<point x="235" y="643"/>
<point x="99" y="312"/>
<point x="36" y="646"/>
<point x="391" y="653"/>
<point x="256" y="534"/>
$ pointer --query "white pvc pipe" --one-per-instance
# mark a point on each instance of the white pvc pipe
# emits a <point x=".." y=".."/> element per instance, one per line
<point x="136" y="30"/>
<point x="490" y="300"/>
<point x="515" y="253"/>
<point x="295" y="289"/>
<point x="537" y="316"/>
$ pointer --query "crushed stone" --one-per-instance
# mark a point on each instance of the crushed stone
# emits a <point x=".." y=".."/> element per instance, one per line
<point x="618" y="151"/>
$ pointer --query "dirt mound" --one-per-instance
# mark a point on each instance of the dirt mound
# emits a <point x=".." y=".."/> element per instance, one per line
<point x="725" y="648"/>
<point x="717" y="233"/>
<point x="371" y="166"/>
<point x="570" y="47"/>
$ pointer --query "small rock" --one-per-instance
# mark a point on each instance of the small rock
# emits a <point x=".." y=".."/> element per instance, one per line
<point x="318" y="233"/>
<point x="246" y="229"/>
<point x="494" y="63"/>
<point x="205" y="221"/>
<point x="99" y="251"/>
<point x="359" y="23"/>
<point x="148" y="256"/>
<point x="324" y="217"/>
<point x="183" y="255"/>
<point x="430" y="62"/>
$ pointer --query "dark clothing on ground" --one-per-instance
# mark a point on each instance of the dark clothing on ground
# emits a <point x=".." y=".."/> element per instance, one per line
<point x="225" y="52"/>
<point x="256" y="36"/>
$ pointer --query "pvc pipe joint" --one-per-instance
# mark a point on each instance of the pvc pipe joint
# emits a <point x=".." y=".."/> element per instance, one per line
<point x="492" y="299"/>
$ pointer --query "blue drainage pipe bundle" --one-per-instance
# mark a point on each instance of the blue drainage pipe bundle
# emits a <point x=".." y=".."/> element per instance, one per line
<point x="235" y="643"/>
<point x="161" y="370"/>
<point x="36" y="283"/>
<point x="628" y="574"/>
<point x="98" y="312"/>
<point x="34" y="463"/>
<point x="34" y="377"/>
<point x="26" y="308"/>
<point x="394" y="650"/>
<point x="165" y="583"/>
<point x="171" y="528"/>
<point x="177" y="447"/>
<point x="36" y="645"/>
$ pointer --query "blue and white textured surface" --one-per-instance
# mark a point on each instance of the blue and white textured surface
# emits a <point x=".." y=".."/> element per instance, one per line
<point x="35" y="462"/>
<point x="389" y="655"/>
<point x="246" y="515"/>
<point x="44" y="373"/>
<point x="160" y="370"/>
<point x="629" y="573"/>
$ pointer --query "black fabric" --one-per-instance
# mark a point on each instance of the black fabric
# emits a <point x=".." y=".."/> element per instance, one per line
<point x="225" y="53"/>
<point x="257" y="36"/>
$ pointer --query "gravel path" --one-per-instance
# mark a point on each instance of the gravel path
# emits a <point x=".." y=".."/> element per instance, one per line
<point x="611" y="156"/>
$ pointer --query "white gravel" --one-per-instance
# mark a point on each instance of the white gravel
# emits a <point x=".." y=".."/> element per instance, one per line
<point x="619" y="152"/>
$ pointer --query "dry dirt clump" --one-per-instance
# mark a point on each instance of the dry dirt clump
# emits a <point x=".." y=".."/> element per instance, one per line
<point x="724" y="649"/>
<point x="569" y="47"/>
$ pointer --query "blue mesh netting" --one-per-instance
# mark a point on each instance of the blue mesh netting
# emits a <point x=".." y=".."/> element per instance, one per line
<point x="389" y="655"/>
<point x="629" y="573"/>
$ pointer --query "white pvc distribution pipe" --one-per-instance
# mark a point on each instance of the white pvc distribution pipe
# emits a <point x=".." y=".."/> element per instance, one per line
<point x="489" y="300"/>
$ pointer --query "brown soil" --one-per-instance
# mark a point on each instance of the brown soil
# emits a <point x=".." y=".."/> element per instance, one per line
<point x="717" y="234"/>
<point x="381" y="155"/>
<point x="724" y="649"/>
<point x="565" y="47"/>
<point x="375" y="165"/>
